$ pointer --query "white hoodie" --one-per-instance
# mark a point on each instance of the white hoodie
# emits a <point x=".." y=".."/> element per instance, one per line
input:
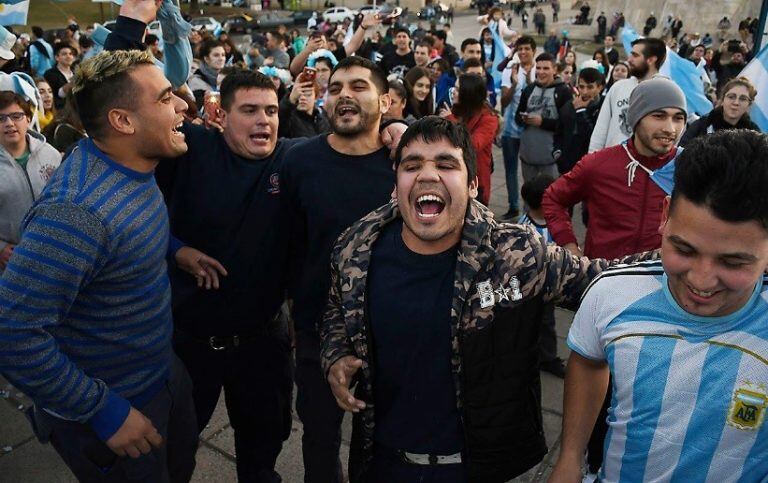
<point x="19" y="188"/>
<point x="612" y="127"/>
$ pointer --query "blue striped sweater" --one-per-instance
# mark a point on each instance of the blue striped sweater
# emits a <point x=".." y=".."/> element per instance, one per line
<point x="85" y="316"/>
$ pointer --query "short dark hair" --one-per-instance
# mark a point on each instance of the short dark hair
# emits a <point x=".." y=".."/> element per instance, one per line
<point x="277" y="36"/>
<point x="61" y="46"/>
<point x="590" y="75"/>
<point x="546" y="57"/>
<point x="243" y="79"/>
<point x="38" y="32"/>
<point x="401" y="89"/>
<point x="440" y="34"/>
<point x="207" y="46"/>
<point x="324" y="60"/>
<point x="525" y="40"/>
<point x="472" y="63"/>
<point x="8" y="98"/>
<point x="609" y="35"/>
<point x="726" y="173"/>
<point x="423" y="44"/>
<point x="469" y="41"/>
<point x="435" y="128"/>
<point x="532" y="191"/>
<point x="402" y="30"/>
<point x="378" y="76"/>
<point x="441" y="64"/>
<point x="653" y="47"/>
<point x="103" y="83"/>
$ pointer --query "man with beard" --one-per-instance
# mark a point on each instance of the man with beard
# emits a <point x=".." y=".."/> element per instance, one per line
<point x="85" y="317"/>
<point x="434" y="311"/>
<point x="612" y="126"/>
<point x="327" y="183"/>
<point x="401" y="59"/>
<point x="624" y="203"/>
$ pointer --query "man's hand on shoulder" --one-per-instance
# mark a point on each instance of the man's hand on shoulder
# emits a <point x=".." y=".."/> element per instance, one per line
<point x="204" y="268"/>
<point x="135" y="437"/>
<point x="141" y="10"/>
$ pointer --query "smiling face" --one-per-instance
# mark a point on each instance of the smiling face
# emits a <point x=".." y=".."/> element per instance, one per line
<point x="250" y="124"/>
<point x="619" y="72"/>
<point x="354" y="105"/>
<point x="13" y="131"/>
<point x="402" y="41"/>
<point x="46" y="94"/>
<point x="160" y="114"/>
<point x="421" y="88"/>
<point x="545" y="72"/>
<point x="472" y="51"/>
<point x="525" y="54"/>
<point x="421" y="55"/>
<point x="433" y="193"/>
<point x="712" y="265"/>
<point x="65" y="57"/>
<point x="658" y="132"/>
<point x="216" y="58"/>
<point x="397" y="106"/>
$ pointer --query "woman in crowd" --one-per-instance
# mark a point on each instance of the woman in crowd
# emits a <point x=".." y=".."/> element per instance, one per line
<point x="65" y="130"/>
<point x="732" y="111"/>
<point x="442" y="78"/>
<point x="602" y="60"/>
<point x="48" y="111"/>
<point x="399" y="92"/>
<point x="620" y="71"/>
<point x="232" y="55"/>
<point x="570" y="59"/>
<point x="299" y="116"/>
<point x="470" y="108"/>
<point x="214" y="58"/>
<point x="421" y="102"/>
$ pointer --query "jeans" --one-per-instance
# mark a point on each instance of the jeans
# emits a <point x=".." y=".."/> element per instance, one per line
<point x="510" y="149"/>
<point x="319" y="414"/>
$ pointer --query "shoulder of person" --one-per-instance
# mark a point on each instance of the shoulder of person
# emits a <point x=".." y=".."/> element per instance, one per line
<point x="614" y="285"/>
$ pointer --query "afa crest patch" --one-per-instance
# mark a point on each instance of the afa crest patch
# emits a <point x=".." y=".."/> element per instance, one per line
<point x="748" y="406"/>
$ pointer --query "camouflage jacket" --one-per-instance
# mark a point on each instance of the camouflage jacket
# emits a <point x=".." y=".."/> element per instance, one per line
<point x="504" y="274"/>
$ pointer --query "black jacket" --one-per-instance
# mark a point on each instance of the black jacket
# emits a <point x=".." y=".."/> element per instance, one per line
<point x="562" y="95"/>
<point x="299" y="124"/>
<point x="574" y="129"/>
<point x="714" y="122"/>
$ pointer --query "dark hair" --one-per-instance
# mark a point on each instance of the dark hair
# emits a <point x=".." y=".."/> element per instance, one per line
<point x="149" y="39"/>
<point x="402" y="30"/>
<point x="525" y="40"/>
<point x="63" y="45"/>
<point x="604" y="62"/>
<point x="726" y="173"/>
<point x="324" y="60"/>
<point x="469" y="41"/>
<point x="38" y="32"/>
<point x="207" y="46"/>
<point x="473" y="95"/>
<point x="243" y="79"/>
<point x="546" y="57"/>
<point x="592" y="75"/>
<point x="423" y="43"/>
<point x="653" y="47"/>
<point x="433" y="129"/>
<point x="609" y="35"/>
<point x="8" y="98"/>
<point x="423" y="108"/>
<point x="86" y="42"/>
<point x="277" y="36"/>
<point x="440" y="34"/>
<point x="429" y="41"/>
<point x="532" y="191"/>
<point x="472" y="63"/>
<point x="401" y="88"/>
<point x="378" y="76"/>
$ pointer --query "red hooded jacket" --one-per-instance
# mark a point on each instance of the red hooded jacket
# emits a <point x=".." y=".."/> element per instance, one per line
<point x="482" y="128"/>
<point x="624" y="216"/>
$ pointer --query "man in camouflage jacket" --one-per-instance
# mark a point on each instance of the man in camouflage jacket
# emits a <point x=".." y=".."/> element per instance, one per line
<point x="503" y="274"/>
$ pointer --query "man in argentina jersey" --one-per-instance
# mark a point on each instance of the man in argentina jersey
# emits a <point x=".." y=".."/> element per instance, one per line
<point x="686" y="340"/>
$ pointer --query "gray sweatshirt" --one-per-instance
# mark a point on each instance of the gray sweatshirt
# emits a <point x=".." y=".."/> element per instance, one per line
<point x="19" y="188"/>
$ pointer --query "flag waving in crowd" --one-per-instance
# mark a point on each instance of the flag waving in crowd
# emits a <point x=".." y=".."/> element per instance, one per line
<point x="14" y="12"/>
<point x="757" y="72"/>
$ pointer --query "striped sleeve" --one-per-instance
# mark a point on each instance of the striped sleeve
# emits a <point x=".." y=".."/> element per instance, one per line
<point x="62" y="247"/>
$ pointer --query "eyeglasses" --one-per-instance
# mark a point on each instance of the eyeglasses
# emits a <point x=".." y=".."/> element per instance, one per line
<point x="14" y="116"/>
<point x="741" y="99"/>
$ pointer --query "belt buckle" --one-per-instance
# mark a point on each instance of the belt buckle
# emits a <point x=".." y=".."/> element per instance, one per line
<point x="215" y="345"/>
<point x="432" y="459"/>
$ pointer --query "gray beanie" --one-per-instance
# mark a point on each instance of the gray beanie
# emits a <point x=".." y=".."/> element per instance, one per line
<point x="652" y="95"/>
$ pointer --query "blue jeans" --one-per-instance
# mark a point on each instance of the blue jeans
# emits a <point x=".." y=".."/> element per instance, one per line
<point x="510" y="148"/>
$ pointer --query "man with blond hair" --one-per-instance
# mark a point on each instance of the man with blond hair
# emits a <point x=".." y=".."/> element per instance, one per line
<point x="85" y="314"/>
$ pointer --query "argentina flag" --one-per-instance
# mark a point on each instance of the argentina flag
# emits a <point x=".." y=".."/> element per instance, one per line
<point x="14" y="12"/>
<point x="757" y="72"/>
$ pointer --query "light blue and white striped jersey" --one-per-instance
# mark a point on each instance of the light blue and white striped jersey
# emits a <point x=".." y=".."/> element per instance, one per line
<point x="690" y="393"/>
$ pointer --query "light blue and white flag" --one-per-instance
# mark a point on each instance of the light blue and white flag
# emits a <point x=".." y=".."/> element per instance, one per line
<point x="14" y="12"/>
<point x="682" y="71"/>
<point x="501" y="50"/>
<point x="757" y="72"/>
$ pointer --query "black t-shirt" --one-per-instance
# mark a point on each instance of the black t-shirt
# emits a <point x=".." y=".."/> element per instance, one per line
<point x="409" y="310"/>
<point x="394" y="63"/>
<point x="324" y="192"/>
<point x="228" y="207"/>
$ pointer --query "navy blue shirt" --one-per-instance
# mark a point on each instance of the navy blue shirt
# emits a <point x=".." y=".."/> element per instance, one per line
<point x="323" y="192"/>
<point x="409" y="307"/>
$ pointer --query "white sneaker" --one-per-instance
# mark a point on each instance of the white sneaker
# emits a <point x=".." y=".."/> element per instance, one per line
<point x="589" y="478"/>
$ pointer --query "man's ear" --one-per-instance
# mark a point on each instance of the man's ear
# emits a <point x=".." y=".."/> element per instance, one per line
<point x="385" y="101"/>
<point x="665" y="214"/>
<point x="122" y="121"/>
<point x="473" y="191"/>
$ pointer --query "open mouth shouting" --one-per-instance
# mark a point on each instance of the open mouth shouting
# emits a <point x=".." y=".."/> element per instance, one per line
<point x="176" y="131"/>
<point x="261" y="138"/>
<point x="429" y="206"/>
<point x="347" y="111"/>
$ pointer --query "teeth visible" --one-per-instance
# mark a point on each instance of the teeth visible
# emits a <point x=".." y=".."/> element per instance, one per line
<point x="424" y="198"/>
<point x="700" y="293"/>
<point x="424" y="215"/>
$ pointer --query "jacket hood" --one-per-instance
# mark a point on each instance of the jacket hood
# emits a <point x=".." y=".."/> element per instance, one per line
<point x="35" y="140"/>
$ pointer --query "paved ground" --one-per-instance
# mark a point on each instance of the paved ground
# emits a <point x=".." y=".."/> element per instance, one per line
<point x="24" y="459"/>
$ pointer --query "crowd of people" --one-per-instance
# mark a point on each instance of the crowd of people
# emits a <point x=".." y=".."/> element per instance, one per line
<point x="182" y="216"/>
